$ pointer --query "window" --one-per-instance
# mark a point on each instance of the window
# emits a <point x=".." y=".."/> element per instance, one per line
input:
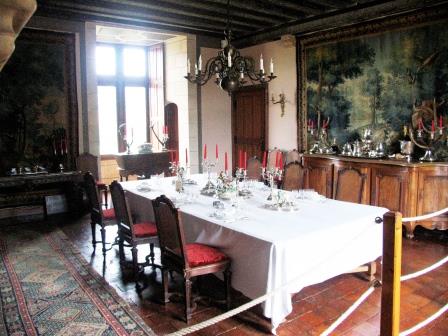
<point x="127" y="77"/>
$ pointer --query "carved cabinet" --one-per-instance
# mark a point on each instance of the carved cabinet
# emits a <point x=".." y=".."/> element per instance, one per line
<point x="411" y="188"/>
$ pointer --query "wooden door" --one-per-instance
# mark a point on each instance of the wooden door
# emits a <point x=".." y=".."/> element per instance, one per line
<point x="249" y="122"/>
<point x="319" y="175"/>
<point x="351" y="183"/>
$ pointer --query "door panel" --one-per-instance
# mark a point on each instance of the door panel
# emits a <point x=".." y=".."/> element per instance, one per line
<point x="249" y="122"/>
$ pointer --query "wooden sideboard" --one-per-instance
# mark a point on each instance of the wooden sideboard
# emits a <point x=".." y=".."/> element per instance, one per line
<point x="412" y="188"/>
<point x="25" y="193"/>
<point x="143" y="164"/>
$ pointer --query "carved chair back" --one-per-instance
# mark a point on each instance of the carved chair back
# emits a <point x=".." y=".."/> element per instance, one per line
<point x="293" y="176"/>
<point x="253" y="168"/>
<point x="292" y="156"/>
<point x="170" y="232"/>
<point x="122" y="212"/>
<point x="94" y="198"/>
<point x="272" y="155"/>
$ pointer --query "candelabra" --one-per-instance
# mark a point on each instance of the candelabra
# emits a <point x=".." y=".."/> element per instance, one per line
<point x="209" y="188"/>
<point x="271" y="175"/>
<point x="124" y="138"/>
<point x="320" y="138"/>
<point x="427" y="137"/>
<point x="163" y="140"/>
<point x="176" y="168"/>
<point x="241" y="175"/>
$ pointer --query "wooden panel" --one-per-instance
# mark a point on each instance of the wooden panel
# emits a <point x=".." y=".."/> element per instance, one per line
<point x="390" y="188"/>
<point x="351" y="183"/>
<point x="433" y="196"/>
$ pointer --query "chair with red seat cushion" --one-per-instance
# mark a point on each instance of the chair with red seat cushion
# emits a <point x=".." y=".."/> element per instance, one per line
<point x="189" y="260"/>
<point x="98" y="216"/>
<point x="87" y="162"/>
<point x="132" y="233"/>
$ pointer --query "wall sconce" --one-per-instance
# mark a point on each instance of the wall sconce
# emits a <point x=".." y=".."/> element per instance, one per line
<point x="281" y="101"/>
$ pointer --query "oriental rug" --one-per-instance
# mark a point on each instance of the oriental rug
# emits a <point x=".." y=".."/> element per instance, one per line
<point x="48" y="288"/>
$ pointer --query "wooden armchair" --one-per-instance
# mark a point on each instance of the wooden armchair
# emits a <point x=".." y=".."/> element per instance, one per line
<point x="293" y="176"/>
<point x="271" y="158"/>
<point x="292" y="156"/>
<point x="132" y="233"/>
<point x="190" y="260"/>
<point x="98" y="216"/>
<point x="87" y="162"/>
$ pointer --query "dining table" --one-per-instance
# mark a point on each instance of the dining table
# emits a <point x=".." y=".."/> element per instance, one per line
<point x="281" y="249"/>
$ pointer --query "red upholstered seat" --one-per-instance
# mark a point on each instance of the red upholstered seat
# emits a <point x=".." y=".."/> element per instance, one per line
<point x="145" y="229"/>
<point x="200" y="254"/>
<point x="109" y="214"/>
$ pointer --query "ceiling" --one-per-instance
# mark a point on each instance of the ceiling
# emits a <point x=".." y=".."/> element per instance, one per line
<point x="208" y="17"/>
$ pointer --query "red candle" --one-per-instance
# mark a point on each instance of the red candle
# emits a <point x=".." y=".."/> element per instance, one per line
<point x="280" y="161"/>
<point x="433" y="128"/>
<point x="440" y="121"/>
<point x="264" y="159"/>
<point x="216" y="151"/>
<point x="205" y="152"/>
<point x="226" y="164"/>
<point x="245" y="160"/>
<point x="186" y="157"/>
<point x="420" y="124"/>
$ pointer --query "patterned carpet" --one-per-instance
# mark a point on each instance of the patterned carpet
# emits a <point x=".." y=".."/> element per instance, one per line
<point x="47" y="288"/>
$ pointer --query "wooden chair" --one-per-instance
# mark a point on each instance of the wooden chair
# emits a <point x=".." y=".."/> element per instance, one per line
<point x="253" y="168"/>
<point x="293" y="176"/>
<point x="87" y="162"/>
<point x="292" y="156"/>
<point x="132" y="233"/>
<point x="271" y="158"/>
<point x="98" y="216"/>
<point x="189" y="260"/>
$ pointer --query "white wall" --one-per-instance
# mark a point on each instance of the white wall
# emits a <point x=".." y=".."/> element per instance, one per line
<point x="183" y="94"/>
<point x="282" y="130"/>
<point x="216" y="104"/>
<point x="216" y="116"/>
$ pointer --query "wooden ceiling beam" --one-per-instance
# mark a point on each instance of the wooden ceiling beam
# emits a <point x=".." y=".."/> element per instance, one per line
<point x="334" y="4"/>
<point x="345" y="17"/>
<point x="297" y="7"/>
<point x="256" y="7"/>
<point x="93" y="8"/>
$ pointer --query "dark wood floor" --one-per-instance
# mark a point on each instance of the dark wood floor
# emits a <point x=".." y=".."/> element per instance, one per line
<point x="314" y="309"/>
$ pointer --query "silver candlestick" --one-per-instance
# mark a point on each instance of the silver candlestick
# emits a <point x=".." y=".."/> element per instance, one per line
<point x="209" y="188"/>
<point x="270" y="175"/>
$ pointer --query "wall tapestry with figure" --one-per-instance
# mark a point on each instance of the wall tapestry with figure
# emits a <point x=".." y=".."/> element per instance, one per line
<point x="373" y="76"/>
<point x="38" y="110"/>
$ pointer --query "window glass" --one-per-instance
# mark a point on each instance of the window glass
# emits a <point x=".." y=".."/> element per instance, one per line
<point x="134" y="62"/>
<point x="105" y="61"/>
<point x="107" y="118"/>
<point x="135" y="105"/>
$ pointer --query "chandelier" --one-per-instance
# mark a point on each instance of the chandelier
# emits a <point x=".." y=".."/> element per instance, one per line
<point x="229" y="68"/>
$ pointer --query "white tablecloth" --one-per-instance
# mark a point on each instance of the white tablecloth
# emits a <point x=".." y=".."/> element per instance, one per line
<point x="270" y="248"/>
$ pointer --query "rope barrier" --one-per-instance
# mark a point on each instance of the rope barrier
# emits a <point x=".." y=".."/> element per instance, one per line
<point x="423" y="217"/>
<point x="350" y="310"/>
<point x="425" y="322"/>
<point x="425" y="270"/>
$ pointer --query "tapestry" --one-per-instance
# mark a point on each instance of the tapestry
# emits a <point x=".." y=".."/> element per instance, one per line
<point x="48" y="288"/>
<point x="38" y="109"/>
<point x="375" y="76"/>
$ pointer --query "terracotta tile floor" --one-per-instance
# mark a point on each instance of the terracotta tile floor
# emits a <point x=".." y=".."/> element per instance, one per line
<point x="314" y="308"/>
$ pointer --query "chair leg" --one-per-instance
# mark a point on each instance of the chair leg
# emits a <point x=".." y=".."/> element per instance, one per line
<point x="135" y="261"/>
<point x="227" y="280"/>
<point x="93" y="226"/>
<point x="121" y="250"/>
<point x="187" y="289"/>
<point x="103" y="239"/>
<point x="165" y="285"/>
<point x="151" y="253"/>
